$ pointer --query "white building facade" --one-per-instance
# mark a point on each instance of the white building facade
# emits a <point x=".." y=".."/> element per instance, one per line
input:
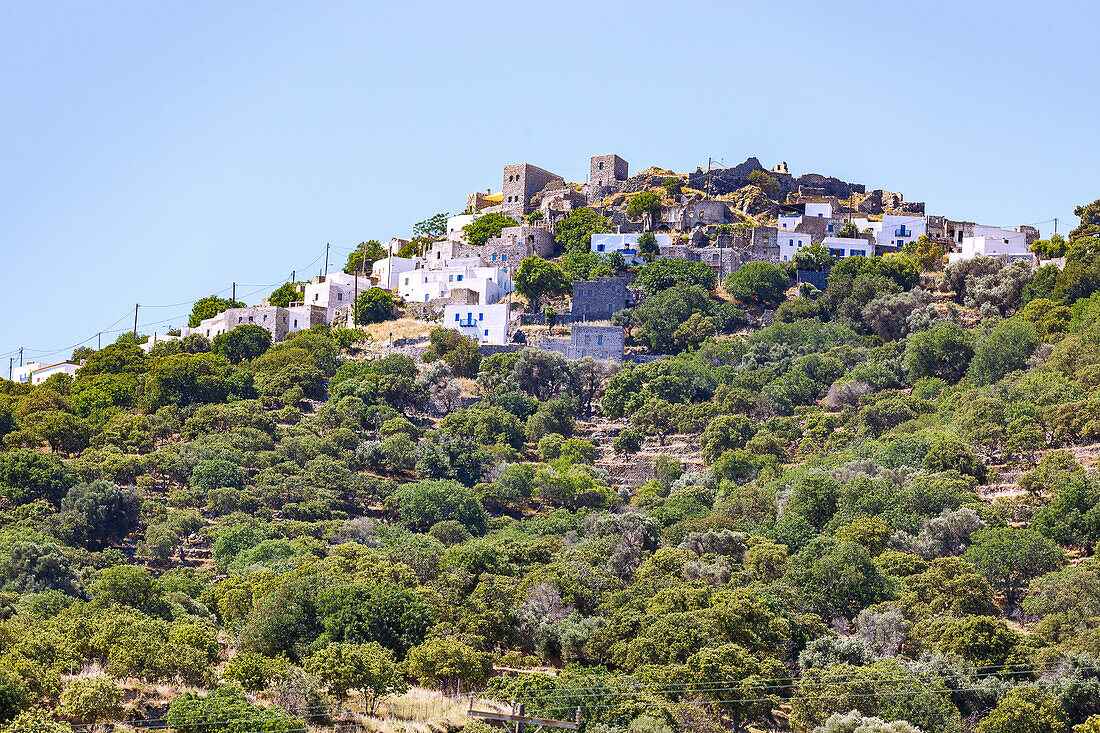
<point x="790" y="243"/>
<point x="993" y="242"/>
<point x="387" y="271"/>
<point x="421" y="286"/>
<point x="333" y="291"/>
<point x="848" y="247"/>
<point x="488" y="324"/>
<point x="897" y="231"/>
<point x="42" y="373"/>
<point x="626" y="244"/>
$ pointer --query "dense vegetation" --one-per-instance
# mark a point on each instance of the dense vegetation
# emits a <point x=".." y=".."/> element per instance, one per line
<point x="873" y="504"/>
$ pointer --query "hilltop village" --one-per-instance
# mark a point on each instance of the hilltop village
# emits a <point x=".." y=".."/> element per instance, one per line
<point x="725" y="450"/>
<point x="722" y="218"/>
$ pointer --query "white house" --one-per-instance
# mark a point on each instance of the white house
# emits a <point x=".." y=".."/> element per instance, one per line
<point x="993" y="242"/>
<point x="42" y="373"/>
<point x="898" y="231"/>
<point x="789" y="222"/>
<point x="23" y="373"/>
<point x="421" y="286"/>
<point x="457" y="222"/>
<point x="626" y="244"/>
<point x="486" y="323"/>
<point x="333" y="291"/>
<point x="820" y="210"/>
<point x="388" y="270"/>
<point x="790" y="243"/>
<point x="848" y="247"/>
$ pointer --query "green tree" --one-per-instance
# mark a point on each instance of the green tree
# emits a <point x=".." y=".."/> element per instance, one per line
<point x="485" y="227"/>
<point x="575" y="231"/>
<point x="101" y="511"/>
<point x="1004" y="348"/>
<point x="656" y="417"/>
<point x="423" y="503"/>
<point x="1090" y="221"/>
<point x="671" y="271"/>
<point x="91" y="700"/>
<point x="209" y="307"/>
<point x="374" y="306"/>
<point x="362" y="258"/>
<point x="659" y="317"/>
<point x="760" y="282"/>
<point x="444" y="663"/>
<point x="286" y="294"/>
<point x="369" y="668"/>
<point x="765" y="183"/>
<point x="648" y="249"/>
<point x="927" y="253"/>
<point x="537" y="280"/>
<point x="942" y="351"/>
<point x="816" y="257"/>
<point x="243" y="343"/>
<point x="227" y="710"/>
<point x="646" y="205"/>
<point x="1009" y="558"/>
<point x="253" y="671"/>
<point x="128" y="585"/>
<point x="35" y="721"/>
<point x="1025" y="710"/>
<point x="1049" y="249"/>
<point x="432" y="227"/>
<point x="15" y="695"/>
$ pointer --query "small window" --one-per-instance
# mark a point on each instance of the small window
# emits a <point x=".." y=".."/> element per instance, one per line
<point x="601" y="166"/>
<point x="486" y="332"/>
<point x="599" y="248"/>
<point x="460" y="278"/>
<point x="504" y="258"/>
<point x="599" y="340"/>
<point x="296" y="323"/>
<point x="481" y="316"/>
<point x="494" y="258"/>
<point x="265" y="319"/>
<point x="208" y="332"/>
<point x="339" y="296"/>
<point x="240" y="319"/>
<point x="457" y="317"/>
<point x="250" y="319"/>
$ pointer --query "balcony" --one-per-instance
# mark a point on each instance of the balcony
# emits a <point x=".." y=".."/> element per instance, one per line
<point x="903" y="231"/>
<point x="466" y="323"/>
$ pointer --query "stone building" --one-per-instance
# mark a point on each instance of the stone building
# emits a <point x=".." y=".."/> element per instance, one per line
<point x="531" y="240"/>
<point x="278" y="321"/>
<point x="608" y="169"/>
<point x="706" y="213"/>
<point x="599" y="342"/>
<point x="600" y="298"/>
<point x="521" y="182"/>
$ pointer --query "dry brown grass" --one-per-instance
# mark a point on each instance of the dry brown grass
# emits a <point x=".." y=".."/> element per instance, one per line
<point x="424" y="711"/>
<point x="402" y="328"/>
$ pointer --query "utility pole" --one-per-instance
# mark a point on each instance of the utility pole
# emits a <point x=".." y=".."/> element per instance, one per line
<point x="20" y="356"/>
<point x="1056" y="226"/>
<point x="234" y="296"/>
<point x="99" y="340"/>
<point x="355" y="298"/>
<point x="326" y="258"/>
<point x="136" y="306"/>
<point x="708" y="177"/>
<point x="11" y="361"/>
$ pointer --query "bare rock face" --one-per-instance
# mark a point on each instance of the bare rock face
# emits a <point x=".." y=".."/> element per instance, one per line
<point x="752" y="201"/>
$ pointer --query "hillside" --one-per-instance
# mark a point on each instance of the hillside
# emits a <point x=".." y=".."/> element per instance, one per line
<point x="883" y="501"/>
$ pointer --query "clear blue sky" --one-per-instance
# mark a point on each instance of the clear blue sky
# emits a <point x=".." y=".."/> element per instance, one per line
<point x="156" y="152"/>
